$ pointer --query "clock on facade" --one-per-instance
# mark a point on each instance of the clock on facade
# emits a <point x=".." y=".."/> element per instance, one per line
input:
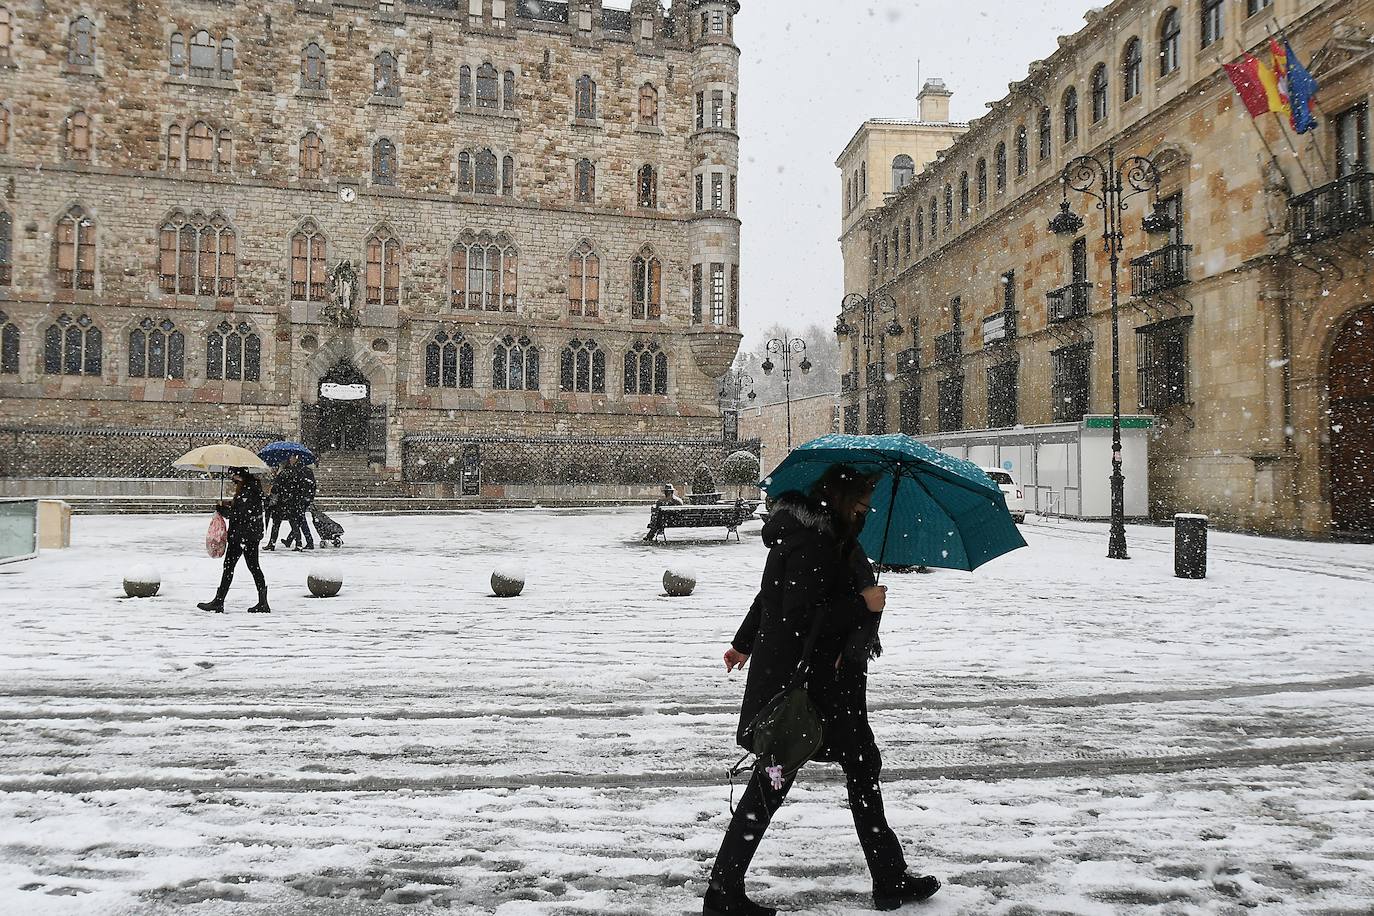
<point x="347" y="194"/>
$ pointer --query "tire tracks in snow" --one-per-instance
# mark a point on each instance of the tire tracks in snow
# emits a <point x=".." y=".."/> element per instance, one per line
<point x="1338" y="751"/>
<point x="619" y="711"/>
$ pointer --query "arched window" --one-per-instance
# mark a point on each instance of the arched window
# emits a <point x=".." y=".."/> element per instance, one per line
<point x="949" y="206"/>
<point x="75" y="240"/>
<point x="582" y="367"/>
<point x="1130" y="70"/>
<point x="964" y="208"/>
<point x="514" y="364"/>
<point x="584" y="281"/>
<point x="646" y="369"/>
<point x="507" y="176"/>
<point x="383" y="281"/>
<point x="200" y="147"/>
<point x="384" y="162"/>
<point x="903" y="171"/>
<point x="1070" y="114"/>
<point x="508" y="90"/>
<point x="73" y="347"/>
<point x="1099" y="81"/>
<point x="448" y="361"/>
<point x="233" y="354"/>
<point x="648" y="187"/>
<point x="585" y="97"/>
<point x="226" y="59"/>
<point x="196" y="256"/>
<point x="9" y="346"/>
<point x="1169" y="31"/>
<point x="312" y="156"/>
<point x="465" y="171"/>
<point x="920" y="228"/>
<point x="176" y="146"/>
<point x="934" y="218"/>
<point x="308" y="271"/>
<point x="863" y="179"/>
<point x="1213" y="22"/>
<point x="982" y="171"/>
<point x="224" y="151"/>
<point x="6" y="248"/>
<point x="646" y="276"/>
<point x="79" y="136"/>
<point x="313" y="68"/>
<point x="484" y="273"/>
<point x="465" y="86"/>
<point x="386" y="81"/>
<point x="906" y="238"/>
<point x="176" y="54"/>
<point x="1022" y="151"/>
<point x="81" y="42"/>
<point x="648" y="105"/>
<point x="204" y="59"/>
<point x="1046" y="133"/>
<point x="487" y="89"/>
<point x="586" y="182"/>
<point x="485" y="170"/>
<point x="157" y="350"/>
<point x="999" y="161"/>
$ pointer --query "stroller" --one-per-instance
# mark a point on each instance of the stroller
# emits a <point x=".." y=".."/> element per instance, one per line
<point x="329" y="530"/>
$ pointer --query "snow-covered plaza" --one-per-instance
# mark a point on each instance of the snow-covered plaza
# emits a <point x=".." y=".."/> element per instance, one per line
<point x="1061" y="733"/>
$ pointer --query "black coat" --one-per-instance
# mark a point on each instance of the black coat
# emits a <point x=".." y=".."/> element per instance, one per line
<point x="244" y="514"/>
<point x="294" y="489"/>
<point x="809" y="572"/>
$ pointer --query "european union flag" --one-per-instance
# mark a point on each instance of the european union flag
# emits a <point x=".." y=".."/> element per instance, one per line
<point x="1302" y="89"/>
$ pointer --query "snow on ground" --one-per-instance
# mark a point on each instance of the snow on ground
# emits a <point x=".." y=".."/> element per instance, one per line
<point x="1062" y="734"/>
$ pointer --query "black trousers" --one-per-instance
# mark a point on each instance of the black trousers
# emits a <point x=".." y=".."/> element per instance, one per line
<point x="277" y="519"/>
<point x="248" y="550"/>
<point x="299" y="526"/>
<point x="761" y="801"/>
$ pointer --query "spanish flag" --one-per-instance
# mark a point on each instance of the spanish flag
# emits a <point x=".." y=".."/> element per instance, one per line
<point x="1258" y="86"/>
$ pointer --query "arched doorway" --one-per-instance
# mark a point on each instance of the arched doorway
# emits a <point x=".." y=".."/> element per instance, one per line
<point x="345" y="408"/>
<point x="1350" y="391"/>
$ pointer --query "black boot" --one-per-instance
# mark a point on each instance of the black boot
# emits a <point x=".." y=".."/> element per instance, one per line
<point x="720" y="901"/>
<point x="261" y="607"/>
<point x="908" y="889"/>
<point x="214" y="604"/>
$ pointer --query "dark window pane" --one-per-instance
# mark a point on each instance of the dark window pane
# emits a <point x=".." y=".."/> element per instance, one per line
<point x="176" y="355"/>
<point x="252" y="358"/>
<point x="432" y="365"/>
<point x="137" y="366"/>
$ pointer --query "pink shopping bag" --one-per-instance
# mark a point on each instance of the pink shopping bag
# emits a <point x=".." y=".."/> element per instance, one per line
<point x="217" y="538"/>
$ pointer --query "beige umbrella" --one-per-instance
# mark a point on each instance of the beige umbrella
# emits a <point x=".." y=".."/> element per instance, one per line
<point x="218" y="459"/>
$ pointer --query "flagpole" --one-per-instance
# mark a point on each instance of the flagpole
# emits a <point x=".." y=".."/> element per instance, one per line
<point x="1273" y="156"/>
<point x="1277" y="31"/>
<point x="1296" y="158"/>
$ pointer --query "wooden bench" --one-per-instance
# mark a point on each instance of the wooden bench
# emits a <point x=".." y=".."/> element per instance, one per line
<point x="726" y="515"/>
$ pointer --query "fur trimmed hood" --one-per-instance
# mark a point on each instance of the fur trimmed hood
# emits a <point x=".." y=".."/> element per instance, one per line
<point x="792" y="513"/>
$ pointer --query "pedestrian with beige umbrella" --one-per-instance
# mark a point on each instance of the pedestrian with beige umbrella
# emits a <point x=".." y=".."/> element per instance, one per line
<point x="243" y="512"/>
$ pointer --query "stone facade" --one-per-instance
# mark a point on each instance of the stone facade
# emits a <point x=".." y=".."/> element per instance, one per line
<point x="406" y="103"/>
<point x="812" y="417"/>
<point x="1228" y="323"/>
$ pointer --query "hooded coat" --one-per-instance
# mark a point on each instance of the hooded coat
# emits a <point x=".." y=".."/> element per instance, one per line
<point x="811" y="573"/>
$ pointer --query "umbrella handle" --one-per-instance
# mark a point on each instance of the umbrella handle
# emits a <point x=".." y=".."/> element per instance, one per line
<point x="887" y="530"/>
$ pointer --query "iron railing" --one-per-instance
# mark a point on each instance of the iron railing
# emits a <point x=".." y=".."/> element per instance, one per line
<point x="1069" y="302"/>
<point x="849" y="381"/>
<point x="1162" y="269"/>
<point x="1333" y="209"/>
<point x="876" y="373"/>
<point x="949" y="346"/>
<point x="908" y="361"/>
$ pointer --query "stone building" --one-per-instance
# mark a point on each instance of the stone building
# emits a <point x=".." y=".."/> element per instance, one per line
<point x="474" y="241"/>
<point x="1245" y="327"/>
<point x="813" y="416"/>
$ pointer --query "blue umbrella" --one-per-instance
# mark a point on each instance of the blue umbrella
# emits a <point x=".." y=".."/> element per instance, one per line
<point x="929" y="508"/>
<point x="278" y="453"/>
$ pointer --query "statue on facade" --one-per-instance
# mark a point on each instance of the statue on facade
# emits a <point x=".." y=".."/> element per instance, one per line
<point x="343" y="294"/>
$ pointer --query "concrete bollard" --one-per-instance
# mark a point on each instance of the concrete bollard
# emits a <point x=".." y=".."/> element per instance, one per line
<point x="1190" y="546"/>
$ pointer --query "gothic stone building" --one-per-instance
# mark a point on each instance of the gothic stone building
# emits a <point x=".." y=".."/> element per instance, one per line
<point x="404" y="227"/>
<point x="1247" y="338"/>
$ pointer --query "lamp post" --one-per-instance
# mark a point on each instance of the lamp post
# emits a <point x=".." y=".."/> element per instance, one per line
<point x="732" y="386"/>
<point x="868" y="308"/>
<point x="1112" y="183"/>
<point x="786" y="349"/>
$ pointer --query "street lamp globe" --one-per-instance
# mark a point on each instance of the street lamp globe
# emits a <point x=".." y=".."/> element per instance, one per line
<point x="767" y="367"/>
<point x="804" y="365"/>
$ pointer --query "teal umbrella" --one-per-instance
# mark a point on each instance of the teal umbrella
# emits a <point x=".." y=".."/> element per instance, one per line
<point x="929" y="508"/>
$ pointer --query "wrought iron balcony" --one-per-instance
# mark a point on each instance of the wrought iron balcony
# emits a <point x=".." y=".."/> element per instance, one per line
<point x="949" y="347"/>
<point x="908" y="361"/>
<point x="849" y="381"/>
<point x="1068" y="303"/>
<point x="1162" y="269"/>
<point x="877" y="373"/>
<point x="1333" y="209"/>
<point x="999" y="328"/>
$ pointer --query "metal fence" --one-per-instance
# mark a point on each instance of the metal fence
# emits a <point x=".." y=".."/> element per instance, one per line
<point x="59" y="451"/>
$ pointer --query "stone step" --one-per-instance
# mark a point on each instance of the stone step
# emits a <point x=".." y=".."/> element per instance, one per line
<point x="99" y="505"/>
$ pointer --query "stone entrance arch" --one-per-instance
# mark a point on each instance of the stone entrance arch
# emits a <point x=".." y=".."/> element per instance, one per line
<point x="344" y="417"/>
<point x="1350" y="392"/>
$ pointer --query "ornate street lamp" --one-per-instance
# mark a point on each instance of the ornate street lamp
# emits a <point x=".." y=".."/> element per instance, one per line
<point x="1112" y="184"/>
<point x="732" y="386"/>
<point x="868" y="308"/>
<point x="786" y="349"/>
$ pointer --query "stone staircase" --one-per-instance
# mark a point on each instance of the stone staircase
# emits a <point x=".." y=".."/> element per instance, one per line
<point x="346" y="476"/>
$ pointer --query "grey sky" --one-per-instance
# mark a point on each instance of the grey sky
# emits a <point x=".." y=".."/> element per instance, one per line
<point x="812" y="71"/>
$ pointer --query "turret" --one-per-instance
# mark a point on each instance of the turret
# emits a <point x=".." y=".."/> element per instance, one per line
<point x="715" y="231"/>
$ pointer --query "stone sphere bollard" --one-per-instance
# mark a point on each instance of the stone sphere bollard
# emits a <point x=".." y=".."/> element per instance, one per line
<point x="324" y="582"/>
<point x="142" y="582"/>
<point x="679" y="583"/>
<point x="507" y="582"/>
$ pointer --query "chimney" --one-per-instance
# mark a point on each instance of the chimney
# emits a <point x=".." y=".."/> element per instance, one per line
<point x="934" y="102"/>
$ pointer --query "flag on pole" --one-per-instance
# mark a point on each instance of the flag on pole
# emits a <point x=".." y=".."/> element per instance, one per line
<point x="1256" y="84"/>
<point x="1280" y="59"/>
<point x="1302" y="92"/>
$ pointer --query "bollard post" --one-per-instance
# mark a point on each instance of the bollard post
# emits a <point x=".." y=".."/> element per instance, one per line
<point x="1190" y="546"/>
